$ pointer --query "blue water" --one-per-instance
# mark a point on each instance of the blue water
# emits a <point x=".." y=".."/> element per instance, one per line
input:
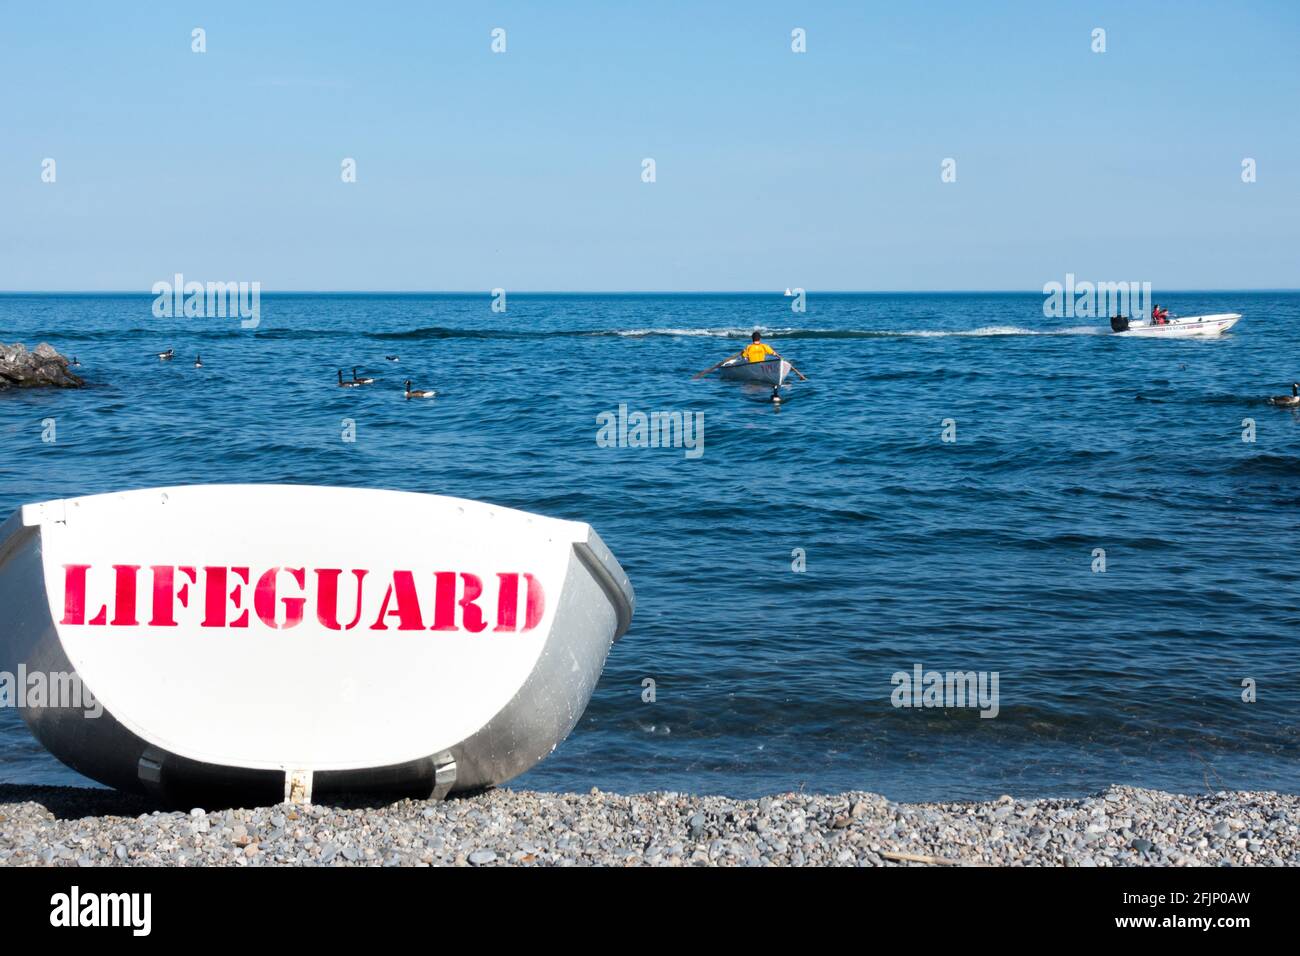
<point x="967" y="555"/>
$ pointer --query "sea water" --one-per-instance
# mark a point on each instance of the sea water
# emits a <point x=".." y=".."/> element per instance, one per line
<point x="1102" y="529"/>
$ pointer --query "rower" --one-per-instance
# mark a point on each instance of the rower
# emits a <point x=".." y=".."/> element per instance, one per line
<point x="757" y="350"/>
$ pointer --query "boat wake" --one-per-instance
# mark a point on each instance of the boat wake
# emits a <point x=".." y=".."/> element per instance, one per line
<point x="1002" y="330"/>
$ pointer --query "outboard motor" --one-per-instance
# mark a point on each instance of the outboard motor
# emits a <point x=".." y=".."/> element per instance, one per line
<point x="1119" y="324"/>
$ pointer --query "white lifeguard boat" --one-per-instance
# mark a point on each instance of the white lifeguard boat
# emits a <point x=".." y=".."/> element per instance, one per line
<point x="274" y="640"/>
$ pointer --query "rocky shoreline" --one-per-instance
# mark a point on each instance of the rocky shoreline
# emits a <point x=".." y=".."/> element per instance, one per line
<point x="42" y="367"/>
<point x="1122" y="826"/>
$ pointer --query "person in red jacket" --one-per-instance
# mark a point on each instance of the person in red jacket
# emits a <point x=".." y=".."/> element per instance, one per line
<point x="1159" y="316"/>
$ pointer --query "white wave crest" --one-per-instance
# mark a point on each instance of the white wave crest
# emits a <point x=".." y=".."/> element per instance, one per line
<point x="709" y="333"/>
<point x="735" y="333"/>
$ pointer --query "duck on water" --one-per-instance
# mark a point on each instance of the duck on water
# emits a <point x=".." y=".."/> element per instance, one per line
<point x="1287" y="401"/>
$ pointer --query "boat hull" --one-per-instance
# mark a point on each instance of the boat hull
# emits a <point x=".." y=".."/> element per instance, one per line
<point x="1195" y="325"/>
<point x="281" y="640"/>
<point x="769" y="372"/>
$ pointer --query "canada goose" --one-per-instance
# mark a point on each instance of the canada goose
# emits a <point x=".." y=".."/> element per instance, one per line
<point x="419" y="392"/>
<point x="1288" y="401"/>
<point x="198" y="362"/>
<point x="166" y="356"/>
<point x="75" y="363"/>
<point x="361" y="381"/>
<point x="343" y="384"/>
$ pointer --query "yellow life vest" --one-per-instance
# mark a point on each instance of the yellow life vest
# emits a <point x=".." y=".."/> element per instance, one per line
<point x="757" y="352"/>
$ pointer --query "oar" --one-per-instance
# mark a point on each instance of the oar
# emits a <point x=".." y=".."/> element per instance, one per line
<point x="719" y="365"/>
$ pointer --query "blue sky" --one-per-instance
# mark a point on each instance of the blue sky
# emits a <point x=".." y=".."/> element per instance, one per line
<point x="774" y="169"/>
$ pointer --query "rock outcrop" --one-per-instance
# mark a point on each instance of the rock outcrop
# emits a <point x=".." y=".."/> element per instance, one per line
<point x="42" y="367"/>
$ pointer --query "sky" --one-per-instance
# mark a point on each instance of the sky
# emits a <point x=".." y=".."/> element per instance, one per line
<point x="773" y="169"/>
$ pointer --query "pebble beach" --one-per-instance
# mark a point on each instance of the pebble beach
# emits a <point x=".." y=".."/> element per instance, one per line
<point x="1122" y="826"/>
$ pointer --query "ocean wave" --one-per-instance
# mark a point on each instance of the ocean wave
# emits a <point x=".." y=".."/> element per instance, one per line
<point x="727" y="332"/>
<point x="113" y="335"/>
<point x="447" y="332"/>
<point x="793" y="333"/>
<point x="1268" y="464"/>
<point x="442" y="332"/>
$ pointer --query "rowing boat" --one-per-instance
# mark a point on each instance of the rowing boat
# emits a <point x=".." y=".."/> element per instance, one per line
<point x="772" y="371"/>
<point x="1177" y="328"/>
<point x="274" y="640"/>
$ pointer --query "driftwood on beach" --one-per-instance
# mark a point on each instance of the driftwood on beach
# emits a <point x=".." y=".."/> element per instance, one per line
<point x="43" y="367"/>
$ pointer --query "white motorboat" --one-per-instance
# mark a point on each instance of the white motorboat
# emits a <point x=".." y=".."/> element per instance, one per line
<point x="772" y="371"/>
<point x="273" y="640"/>
<point x="1177" y="328"/>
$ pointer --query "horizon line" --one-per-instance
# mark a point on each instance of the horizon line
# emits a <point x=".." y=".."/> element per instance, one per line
<point x="489" y="293"/>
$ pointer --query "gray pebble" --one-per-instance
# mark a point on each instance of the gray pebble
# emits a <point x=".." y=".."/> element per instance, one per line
<point x="1120" y="827"/>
